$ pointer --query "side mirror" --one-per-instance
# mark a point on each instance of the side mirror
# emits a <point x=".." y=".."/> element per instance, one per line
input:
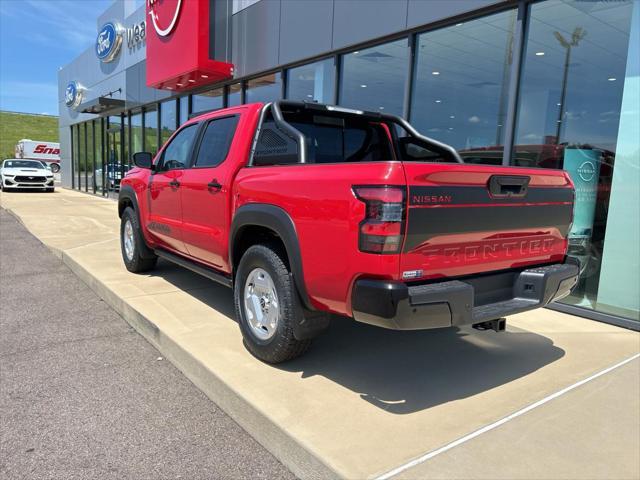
<point x="143" y="159"/>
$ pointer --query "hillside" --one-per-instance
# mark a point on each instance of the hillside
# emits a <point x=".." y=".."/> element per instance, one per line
<point x="16" y="126"/>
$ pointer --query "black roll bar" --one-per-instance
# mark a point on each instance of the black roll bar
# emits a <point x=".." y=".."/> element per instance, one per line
<point x="414" y="133"/>
<point x="290" y="130"/>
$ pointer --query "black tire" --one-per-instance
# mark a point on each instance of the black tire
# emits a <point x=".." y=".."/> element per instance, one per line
<point x="283" y="345"/>
<point x="142" y="259"/>
<point x="50" y="189"/>
<point x="55" y="168"/>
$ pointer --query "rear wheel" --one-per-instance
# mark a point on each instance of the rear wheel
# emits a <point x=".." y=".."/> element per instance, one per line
<point x="55" y="168"/>
<point x="267" y="306"/>
<point x="135" y="253"/>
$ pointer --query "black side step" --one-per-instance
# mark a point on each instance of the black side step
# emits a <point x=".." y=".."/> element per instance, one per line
<point x="210" y="273"/>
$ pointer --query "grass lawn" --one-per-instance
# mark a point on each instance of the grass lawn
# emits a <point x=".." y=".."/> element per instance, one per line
<point x="16" y="126"/>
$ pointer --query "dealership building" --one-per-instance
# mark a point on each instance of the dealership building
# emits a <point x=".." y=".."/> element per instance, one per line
<point x="548" y="84"/>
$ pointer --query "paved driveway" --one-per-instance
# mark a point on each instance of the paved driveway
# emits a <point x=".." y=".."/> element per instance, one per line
<point x="82" y="395"/>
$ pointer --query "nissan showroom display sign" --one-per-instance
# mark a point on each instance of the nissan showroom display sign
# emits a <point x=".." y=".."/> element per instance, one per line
<point x="178" y="45"/>
<point x="583" y="166"/>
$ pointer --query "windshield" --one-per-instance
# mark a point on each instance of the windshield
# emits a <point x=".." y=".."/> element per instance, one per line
<point x="22" y="164"/>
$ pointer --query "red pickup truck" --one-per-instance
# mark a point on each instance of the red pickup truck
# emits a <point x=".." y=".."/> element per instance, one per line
<point x="308" y="210"/>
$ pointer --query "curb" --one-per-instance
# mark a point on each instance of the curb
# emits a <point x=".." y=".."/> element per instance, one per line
<point x="293" y="454"/>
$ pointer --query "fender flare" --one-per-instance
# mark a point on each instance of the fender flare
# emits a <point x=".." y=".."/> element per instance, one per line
<point x="278" y="220"/>
<point x="127" y="193"/>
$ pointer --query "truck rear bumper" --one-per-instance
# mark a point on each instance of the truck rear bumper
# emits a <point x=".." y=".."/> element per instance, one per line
<point x="399" y="306"/>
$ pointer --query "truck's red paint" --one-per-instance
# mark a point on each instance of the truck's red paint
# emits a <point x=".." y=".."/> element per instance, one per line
<point x="194" y="220"/>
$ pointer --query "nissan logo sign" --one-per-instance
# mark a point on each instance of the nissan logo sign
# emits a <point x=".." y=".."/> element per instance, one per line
<point x="109" y="41"/>
<point x="587" y="171"/>
<point x="165" y="22"/>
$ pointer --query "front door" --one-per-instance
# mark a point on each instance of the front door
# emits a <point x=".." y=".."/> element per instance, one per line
<point x="206" y="193"/>
<point x="165" y="205"/>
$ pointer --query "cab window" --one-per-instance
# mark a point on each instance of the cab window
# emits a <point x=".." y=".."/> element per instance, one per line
<point x="216" y="141"/>
<point x="176" y="154"/>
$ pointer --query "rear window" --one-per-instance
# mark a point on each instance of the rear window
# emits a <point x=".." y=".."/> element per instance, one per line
<point x="330" y="139"/>
<point x="351" y="142"/>
<point x="333" y="137"/>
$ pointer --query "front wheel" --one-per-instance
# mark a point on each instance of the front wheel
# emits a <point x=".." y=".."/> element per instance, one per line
<point x="135" y="253"/>
<point x="55" y="168"/>
<point x="267" y="306"/>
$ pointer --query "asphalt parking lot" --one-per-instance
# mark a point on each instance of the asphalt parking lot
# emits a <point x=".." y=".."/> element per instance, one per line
<point x="82" y="395"/>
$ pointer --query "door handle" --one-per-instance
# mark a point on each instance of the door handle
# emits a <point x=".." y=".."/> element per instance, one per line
<point x="214" y="185"/>
<point x="174" y="184"/>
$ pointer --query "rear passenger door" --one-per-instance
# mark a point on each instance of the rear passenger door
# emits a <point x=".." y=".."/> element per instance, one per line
<point x="206" y="192"/>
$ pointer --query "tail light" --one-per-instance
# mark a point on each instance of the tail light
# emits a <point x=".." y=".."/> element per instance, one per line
<point x="382" y="229"/>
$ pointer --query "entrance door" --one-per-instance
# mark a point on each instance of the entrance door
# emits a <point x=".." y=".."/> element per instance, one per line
<point x="206" y="189"/>
<point x="165" y="205"/>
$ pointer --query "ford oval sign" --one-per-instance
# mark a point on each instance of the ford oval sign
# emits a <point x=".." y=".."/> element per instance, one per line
<point x="73" y="95"/>
<point x="109" y="41"/>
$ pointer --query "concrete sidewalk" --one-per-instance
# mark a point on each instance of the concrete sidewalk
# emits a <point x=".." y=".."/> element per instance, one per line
<point x="365" y="401"/>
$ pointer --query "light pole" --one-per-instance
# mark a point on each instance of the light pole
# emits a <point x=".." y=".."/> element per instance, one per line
<point x="577" y="35"/>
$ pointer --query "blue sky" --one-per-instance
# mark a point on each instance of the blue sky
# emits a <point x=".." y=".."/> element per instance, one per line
<point x="37" y="37"/>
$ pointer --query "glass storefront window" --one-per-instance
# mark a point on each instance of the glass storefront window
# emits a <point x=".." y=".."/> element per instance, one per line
<point x="235" y="95"/>
<point x="91" y="185"/>
<point x="374" y="79"/>
<point x="313" y="82"/>
<point x="168" y="120"/>
<point x="74" y="156"/>
<point x="136" y="133"/>
<point x="573" y="78"/>
<point x="150" y="138"/>
<point x="183" y="105"/>
<point x="461" y="82"/>
<point x="99" y="167"/>
<point x="264" y="89"/>
<point x="208" y="100"/>
<point x="115" y="159"/>
<point x="82" y="156"/>
<point x="126" y="157"/>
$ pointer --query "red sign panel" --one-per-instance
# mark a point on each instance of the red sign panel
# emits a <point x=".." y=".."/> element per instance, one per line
<point x="178" y="45"/>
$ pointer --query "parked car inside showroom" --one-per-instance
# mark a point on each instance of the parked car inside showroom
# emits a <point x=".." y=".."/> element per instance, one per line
<point x="114" y="173"/>
<point x="18" y="174"/>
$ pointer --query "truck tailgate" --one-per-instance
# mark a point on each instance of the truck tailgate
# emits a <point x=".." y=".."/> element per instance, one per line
<point x="468" y="219"/>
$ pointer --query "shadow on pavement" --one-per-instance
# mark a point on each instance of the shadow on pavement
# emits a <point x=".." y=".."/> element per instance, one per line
<point x="400" y="372"/>
<point x="404" y="372"/>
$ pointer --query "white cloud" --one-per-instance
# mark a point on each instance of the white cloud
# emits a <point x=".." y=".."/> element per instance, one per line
<point x="67" y="24"/>
<point x="474" y="119"/>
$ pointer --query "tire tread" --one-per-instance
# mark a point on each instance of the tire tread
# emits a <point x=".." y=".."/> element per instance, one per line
<point x="284" y="346"/>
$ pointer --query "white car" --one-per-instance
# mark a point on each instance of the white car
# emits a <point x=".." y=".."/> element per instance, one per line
<point x="16" y="174"/>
